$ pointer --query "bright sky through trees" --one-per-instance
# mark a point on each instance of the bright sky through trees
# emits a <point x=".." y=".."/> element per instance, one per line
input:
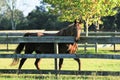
<point x="27" y="5"/>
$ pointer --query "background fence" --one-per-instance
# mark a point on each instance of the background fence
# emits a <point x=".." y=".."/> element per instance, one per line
<point x="13" y="39"/>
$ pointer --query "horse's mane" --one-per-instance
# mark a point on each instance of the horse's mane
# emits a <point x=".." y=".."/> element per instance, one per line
<point x="65" y="31"/>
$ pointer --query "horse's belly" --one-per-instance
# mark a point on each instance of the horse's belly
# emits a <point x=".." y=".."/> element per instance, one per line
<point x="45" y="48"/>
<point x="49" y="48"/>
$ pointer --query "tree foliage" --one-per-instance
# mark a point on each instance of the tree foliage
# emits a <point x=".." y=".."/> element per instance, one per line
<point x="10" y="16"/>
<point x="91" y="11"/>
<point x="71" y="9"/>
<point x="11" y="7"/>
<point x="41" y="19"/>
<point x="5" y="22"/>
<point x="60" y="13"/>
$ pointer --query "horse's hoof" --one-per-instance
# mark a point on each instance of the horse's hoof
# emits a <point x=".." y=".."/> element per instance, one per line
<point x="18" y="72"/>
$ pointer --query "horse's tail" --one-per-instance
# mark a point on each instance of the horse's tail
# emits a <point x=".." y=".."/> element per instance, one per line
<point x="18" y="51"/>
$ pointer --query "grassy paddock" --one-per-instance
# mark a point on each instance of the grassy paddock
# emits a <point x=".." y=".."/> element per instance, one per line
<point x="69" y="64"/>
<point x="52" y="77"/>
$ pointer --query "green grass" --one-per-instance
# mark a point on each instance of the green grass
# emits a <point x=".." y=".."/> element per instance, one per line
<point x="100" y="51"/>
<point x="52" y="77"/>
<point x="69" y="64"/>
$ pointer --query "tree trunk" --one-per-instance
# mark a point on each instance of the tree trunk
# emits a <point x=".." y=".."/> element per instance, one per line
<point x="86" y="31"/>
<point x="12" y="20"/>
<point x="86" y="34"/>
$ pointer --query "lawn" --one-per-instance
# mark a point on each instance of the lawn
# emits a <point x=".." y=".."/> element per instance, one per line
<point x="52" y="77"/>
<point x="69" y="64"/>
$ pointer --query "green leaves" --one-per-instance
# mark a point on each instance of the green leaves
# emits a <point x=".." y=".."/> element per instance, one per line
<point x="71" y="9"/>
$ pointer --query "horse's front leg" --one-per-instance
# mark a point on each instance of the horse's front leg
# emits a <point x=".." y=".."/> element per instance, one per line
<point x="79" y="63"/>
<point x="37" y="64"/>
<point x="60" y="63"/>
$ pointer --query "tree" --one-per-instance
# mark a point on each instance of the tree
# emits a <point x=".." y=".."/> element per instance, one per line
<point x="41" y="19"/>
<point x="11" y="14"/>
<point x="2" y="9"/>
<point x="90" y="10"/>
<point x="118" y="20"/>
<point x="2" y="3"/>
<point x="5" y="22"/>
<point x="11" y="4"/>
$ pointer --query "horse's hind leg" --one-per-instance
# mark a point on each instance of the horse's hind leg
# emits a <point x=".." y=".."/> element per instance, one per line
<point x="79" y="63"/>
<point x="28" y="50"/>
<point x="37" y="64"/>
<point x="21" y="64"/>
<point x="60" y="63"/>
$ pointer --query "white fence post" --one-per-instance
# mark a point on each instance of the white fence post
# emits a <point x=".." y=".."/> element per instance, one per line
<point x="56" y="50"/>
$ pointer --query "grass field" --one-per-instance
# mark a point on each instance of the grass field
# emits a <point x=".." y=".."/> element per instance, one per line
<point x="52" y="77"/>
<point x="69" y="64"/>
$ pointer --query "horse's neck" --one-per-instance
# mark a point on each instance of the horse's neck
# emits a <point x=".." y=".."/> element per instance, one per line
<point x="61" y="33"/>
<point x="65" y="31"/>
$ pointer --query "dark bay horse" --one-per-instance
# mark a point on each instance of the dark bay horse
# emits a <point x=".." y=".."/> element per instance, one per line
<point x="68" y="48"/>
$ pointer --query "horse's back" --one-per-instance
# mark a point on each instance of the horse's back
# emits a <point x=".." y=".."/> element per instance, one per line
<point x="45" y="47"/>
<point x="40" y="34"/>
<point x="30" y="34"/>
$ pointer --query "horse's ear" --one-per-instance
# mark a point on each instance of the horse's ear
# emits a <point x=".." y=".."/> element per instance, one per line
<point x="80" y="21"/>
<point x="76" y="21"/>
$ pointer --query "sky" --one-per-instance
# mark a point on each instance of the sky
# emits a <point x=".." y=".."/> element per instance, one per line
<point x="27" y="5"/>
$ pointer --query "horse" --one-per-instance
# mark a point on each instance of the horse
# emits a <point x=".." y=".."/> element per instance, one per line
<point x="67" y="48"/>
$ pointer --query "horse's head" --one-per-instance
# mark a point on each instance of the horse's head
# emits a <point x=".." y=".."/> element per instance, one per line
<point x="76" y="29"/>
<point x="72" y="30"/>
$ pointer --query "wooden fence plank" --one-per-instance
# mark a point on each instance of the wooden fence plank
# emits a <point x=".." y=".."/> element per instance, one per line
<point x="13" y="33"/>
<point x="101" y="56"/>
<point x="59" y="39"/>
<point x="101" y="34"/>
<point x="66" y="72"/>
<point x="45" y="39"/>
<point x="100" y="40"/>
